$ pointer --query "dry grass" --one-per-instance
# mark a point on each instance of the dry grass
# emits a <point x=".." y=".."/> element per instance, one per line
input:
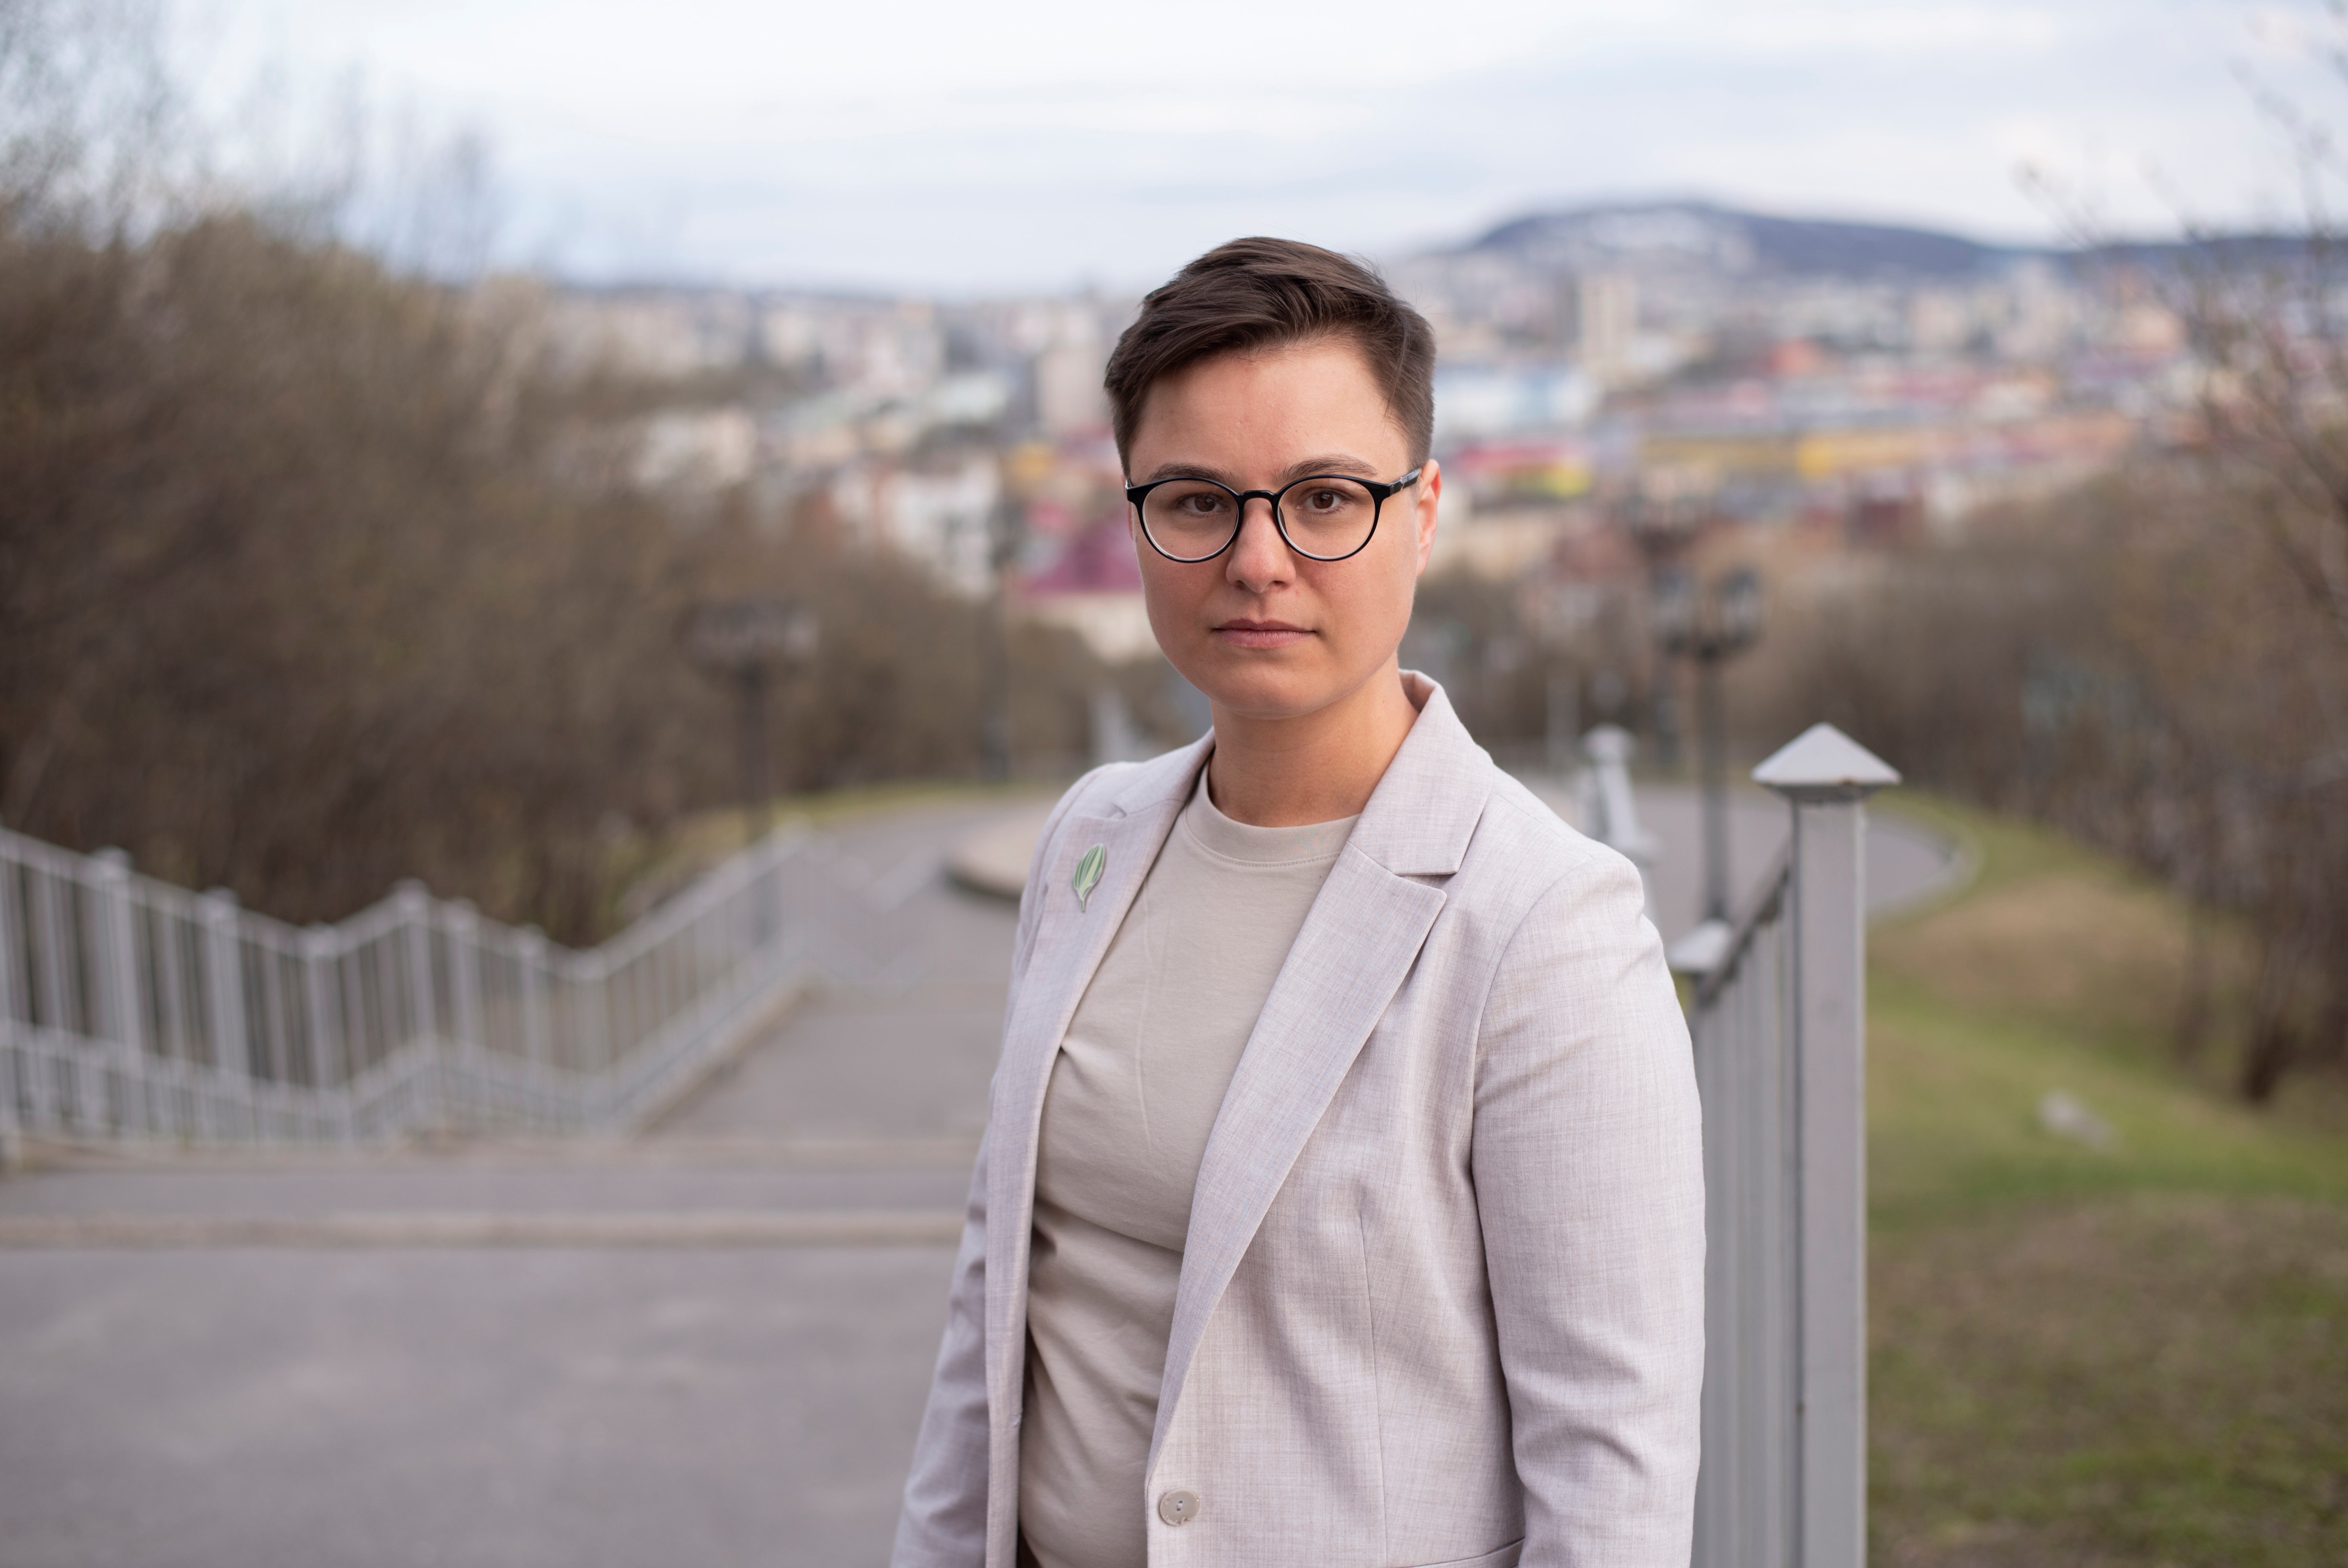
<point x="2137" y="1354"/>
<point x="2148" y="1379"/>
<point x="2080" y="947"/>
<point x="2055" y="940"/>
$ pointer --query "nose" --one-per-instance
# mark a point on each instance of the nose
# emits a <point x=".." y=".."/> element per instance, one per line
<point x="1260" y="557"/>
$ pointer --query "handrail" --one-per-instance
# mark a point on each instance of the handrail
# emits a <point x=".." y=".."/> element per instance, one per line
<point x="1763" y="905"/>
<point x="131" y="1006"/>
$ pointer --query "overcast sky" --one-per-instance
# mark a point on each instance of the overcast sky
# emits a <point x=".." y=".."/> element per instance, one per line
<point x="949" y="147"/>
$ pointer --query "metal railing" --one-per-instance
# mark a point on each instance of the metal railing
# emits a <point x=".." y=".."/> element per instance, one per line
<point x="1608" y="805"/>
<point x="1744" y="1071"/>
<point x="1777" y="1009"/>
<point x="132" y="1009"/>
<point x="1779" y="1018"/>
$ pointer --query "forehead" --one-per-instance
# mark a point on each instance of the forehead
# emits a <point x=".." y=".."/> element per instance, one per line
<point x="1320" y="394"/>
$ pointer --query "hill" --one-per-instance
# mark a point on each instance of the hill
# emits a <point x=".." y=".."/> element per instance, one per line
<point x="1705" y="236"/>
<point x="1729" y="243"/>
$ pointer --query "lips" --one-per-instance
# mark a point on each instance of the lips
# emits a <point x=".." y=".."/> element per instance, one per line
<point x="1250" y="634"/>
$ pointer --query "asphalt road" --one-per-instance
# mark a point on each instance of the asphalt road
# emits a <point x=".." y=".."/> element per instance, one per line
<point x="360" y="1393"/>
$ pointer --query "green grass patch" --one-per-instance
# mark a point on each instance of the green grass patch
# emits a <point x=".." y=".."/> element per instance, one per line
<point x="2158" y="1378"/>
<point x="2135" y="1353"/>
<point x="1953" y="1122"/>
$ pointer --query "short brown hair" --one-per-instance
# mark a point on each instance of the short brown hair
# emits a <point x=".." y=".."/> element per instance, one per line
<point x="1259" y="293"/>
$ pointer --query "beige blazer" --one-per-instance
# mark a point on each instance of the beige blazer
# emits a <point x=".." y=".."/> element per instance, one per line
<point x="1442" y="1298"/>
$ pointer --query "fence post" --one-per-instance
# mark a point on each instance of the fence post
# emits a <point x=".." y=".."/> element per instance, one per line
<point x="224" y="1021"/>
<point x="322" y="1010"/>
<point x="1827" y="777"/>
<point x="119" y="978"/>
<point x="593" y="990"/>
<point x="416" y="916"/>
<point x="464" y="927"/>
<point x="225" y="984"/>
<point x="16" y="1006"/>
<point x="530" y="971"/>
<point x="1610" y="812"/>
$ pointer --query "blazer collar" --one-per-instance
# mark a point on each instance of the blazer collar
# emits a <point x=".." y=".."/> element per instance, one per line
<point x="1418" y="819"/>
<point x="1422" y="812"/>
<point x="1160" y="782"/>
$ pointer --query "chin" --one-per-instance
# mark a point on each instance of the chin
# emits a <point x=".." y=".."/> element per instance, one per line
<point x="1254" y="689"/>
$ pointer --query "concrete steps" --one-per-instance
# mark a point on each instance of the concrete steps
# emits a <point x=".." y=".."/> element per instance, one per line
<point x="642" y="1194"/>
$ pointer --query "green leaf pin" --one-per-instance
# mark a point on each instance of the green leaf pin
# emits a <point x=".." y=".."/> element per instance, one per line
<point x="1088" y="873"/>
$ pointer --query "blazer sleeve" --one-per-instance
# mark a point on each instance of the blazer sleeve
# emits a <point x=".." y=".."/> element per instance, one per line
<point x="1587" y="1155"/>
<point x="943" y="1522"/>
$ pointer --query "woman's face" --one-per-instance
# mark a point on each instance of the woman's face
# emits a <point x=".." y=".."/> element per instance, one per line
<point x="1265" y="632"/>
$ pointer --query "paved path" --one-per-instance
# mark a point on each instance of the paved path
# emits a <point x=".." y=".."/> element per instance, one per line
<point x="359" y="1395"/>
<point x="574" y="1356"/>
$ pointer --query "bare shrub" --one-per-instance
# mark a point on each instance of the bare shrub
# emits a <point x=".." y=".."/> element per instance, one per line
<point x="302" y="590"/>
<point x="2133" y="664"/>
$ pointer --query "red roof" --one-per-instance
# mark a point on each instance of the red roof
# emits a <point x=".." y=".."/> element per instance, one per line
<point x="1097" y="561"/>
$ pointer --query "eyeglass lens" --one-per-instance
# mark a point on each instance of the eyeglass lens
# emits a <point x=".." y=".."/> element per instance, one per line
<point x="1325" y="517"/>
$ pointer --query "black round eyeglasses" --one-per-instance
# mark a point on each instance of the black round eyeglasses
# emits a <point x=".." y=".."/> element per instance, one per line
<point x="1331" y="517"/>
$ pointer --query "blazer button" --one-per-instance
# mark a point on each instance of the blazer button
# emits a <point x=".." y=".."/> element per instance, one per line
<point x="1179" y="1507"/>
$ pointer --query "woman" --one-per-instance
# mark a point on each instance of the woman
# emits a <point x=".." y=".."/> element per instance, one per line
<point x="1341" y="1201"/>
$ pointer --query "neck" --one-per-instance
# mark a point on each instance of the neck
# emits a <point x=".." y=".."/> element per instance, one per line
<point x="1309" y="768"/>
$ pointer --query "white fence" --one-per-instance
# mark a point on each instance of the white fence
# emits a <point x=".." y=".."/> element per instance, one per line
<point x="1778" y="1009"/>
<point x="1779" y="1020"/>
<point x="1745" y="1073"/>
<point x="132" y="1009"/>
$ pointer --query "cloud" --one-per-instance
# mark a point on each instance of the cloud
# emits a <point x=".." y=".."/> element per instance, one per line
<point x="960" y="148"/>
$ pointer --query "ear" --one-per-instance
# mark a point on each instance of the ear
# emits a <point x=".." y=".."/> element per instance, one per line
<point x="1426" y="500"/>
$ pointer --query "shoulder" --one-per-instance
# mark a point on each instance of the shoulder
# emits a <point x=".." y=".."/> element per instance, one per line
<point x="1088" y="793"/>
<point x="1121" y="787"/>
<point x="1575" y="962"/>
<point x="1527" y="858"/>
<point x="1115" y="788"/>
<point x="1081" y="799"/>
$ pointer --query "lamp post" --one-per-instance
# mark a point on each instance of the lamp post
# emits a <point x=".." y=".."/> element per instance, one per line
<point x="1710" y="625"/>
<point x="1006" y="536"/>
<point x="1663" y="521"/>
<point x="748" y="642"/>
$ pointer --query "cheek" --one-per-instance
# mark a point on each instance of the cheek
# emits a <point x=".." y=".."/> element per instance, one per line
<point x="1398" y="579"/>
<point x="1371" y="607"/>
<point x="1171" y="593"/>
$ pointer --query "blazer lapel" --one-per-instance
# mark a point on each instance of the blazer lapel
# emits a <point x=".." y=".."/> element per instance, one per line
<point x="1356" y="946"/>
<point x="1364" y="933"/>
<point x="1071" y="939"/>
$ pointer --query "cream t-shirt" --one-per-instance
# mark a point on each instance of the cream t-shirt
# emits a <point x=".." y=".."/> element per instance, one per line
<point x="1134" y="1093"/>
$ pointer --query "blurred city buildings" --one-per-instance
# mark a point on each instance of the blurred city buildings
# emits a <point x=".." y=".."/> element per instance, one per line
<point x="1615" y="383"/>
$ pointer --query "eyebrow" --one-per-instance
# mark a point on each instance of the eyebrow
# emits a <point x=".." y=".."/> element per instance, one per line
<point x="1327" y="463"/>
